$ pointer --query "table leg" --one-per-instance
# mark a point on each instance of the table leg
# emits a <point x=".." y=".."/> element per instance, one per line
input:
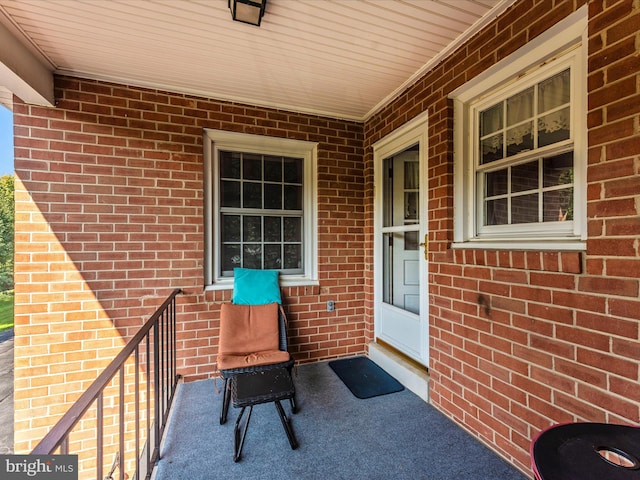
<point x="240" y="434"/>
<point x="226" y="399"/>
<point x="287" y="426"/>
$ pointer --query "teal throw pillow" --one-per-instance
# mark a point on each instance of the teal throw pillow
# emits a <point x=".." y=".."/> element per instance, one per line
<point x="255" y="287"/>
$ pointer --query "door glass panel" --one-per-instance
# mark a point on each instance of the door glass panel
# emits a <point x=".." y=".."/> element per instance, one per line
<point x="401" y="261"/>
<point x="411" y="240"/>
<point x="411" y="207"/>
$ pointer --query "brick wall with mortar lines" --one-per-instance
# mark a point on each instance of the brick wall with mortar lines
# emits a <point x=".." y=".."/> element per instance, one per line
<point x="521" y="340"/>
<point x="109" y="221"/>
<point x="534" y="358"/>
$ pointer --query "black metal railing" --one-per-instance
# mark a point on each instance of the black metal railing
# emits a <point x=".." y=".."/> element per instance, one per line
<point x="135" y="444"/>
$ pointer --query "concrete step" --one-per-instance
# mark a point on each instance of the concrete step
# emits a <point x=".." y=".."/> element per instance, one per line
<point x="413" y="378"/>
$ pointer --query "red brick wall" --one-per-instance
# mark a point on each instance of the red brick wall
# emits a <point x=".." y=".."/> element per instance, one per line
<point x="109" y="220"/>
<point x="560" y="340"/>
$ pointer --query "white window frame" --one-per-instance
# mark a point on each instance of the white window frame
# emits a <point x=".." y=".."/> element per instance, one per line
<point x="562" y="46"/>
<point x="219" y="140"/>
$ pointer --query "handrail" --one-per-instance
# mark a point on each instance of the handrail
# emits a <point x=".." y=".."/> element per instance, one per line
<point x="165" y="378"/>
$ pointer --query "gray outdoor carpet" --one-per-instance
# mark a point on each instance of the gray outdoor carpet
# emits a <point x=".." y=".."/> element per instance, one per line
<point x="396" y="436"/>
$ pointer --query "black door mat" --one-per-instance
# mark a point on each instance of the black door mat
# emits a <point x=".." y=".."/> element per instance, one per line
<point x="365" y="378"/>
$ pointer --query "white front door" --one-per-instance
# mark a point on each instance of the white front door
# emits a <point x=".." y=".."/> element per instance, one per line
<point x="401" y="293"/>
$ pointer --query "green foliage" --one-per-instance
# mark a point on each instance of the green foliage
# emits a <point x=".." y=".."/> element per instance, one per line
<point x="7" y="218"/>
<point x="6" y="310"/>
<point x="566" y="195"/>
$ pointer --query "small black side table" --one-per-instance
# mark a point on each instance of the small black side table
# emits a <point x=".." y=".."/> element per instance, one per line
<point x="249" y="389"/>
<point x="587" y="451"/>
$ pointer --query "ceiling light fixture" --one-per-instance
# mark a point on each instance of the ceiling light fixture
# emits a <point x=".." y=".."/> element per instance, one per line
<point x="247" y="11"/>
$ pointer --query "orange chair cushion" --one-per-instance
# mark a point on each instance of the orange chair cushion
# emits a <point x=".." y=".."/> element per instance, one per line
<point x="229" y="362"/>
<point x="246" y="329"/>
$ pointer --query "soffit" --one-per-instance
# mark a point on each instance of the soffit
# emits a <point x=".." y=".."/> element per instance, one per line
<point x="341" y="58"/>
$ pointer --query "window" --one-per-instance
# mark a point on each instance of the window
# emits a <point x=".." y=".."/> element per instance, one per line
<point x="520" y="146"/>
<point x="260" y="198"/>
<point x="524" y="166"/>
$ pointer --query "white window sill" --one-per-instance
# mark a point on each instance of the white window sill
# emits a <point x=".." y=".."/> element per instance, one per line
<point x="293" y="282"/>
<point x="541" y="244"/>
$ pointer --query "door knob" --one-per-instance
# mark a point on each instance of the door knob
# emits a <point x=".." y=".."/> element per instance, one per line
<point x="425" y="244"/>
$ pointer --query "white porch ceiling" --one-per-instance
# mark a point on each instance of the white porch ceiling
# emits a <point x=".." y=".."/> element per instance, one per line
<point x="341" y="58"/>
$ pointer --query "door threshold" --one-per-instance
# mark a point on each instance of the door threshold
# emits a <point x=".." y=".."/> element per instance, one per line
<point x="413" y="376"/>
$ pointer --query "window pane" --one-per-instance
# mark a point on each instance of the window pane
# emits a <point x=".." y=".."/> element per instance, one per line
<point x="553" y="127"/>
<point x="230" y="257"/>
<point x="272" y="169"/>
<point x="520" y="139"/>
<point x="496" y="183"/>
<point x="252" y="167"/>
<point x="292" y="256"/>
<point x="520" y="107"/>
<point x="524" y="177"/>
<point x="252" y="256"/>
<point x="292" y="197"/>
<point x="558" y="170"/>
<point x="252" y="229"/>
<point x="292" y="229"/>
<point x="496" y="212"/>
<point x="230" y="193"/>
<point x="272" y="256"/>
<point x="558" y="205"/>
<point x="273" y="196"/>
<point x="491" y="120"/>
<point x="230" y="228"/>
<point x="272" y="229"/>
<point x="491" y="149"/>
<point x="293" y="170"/>
<point x="230" y="164"/>
<point x="524" y="209"/>
<point x="554" y="92"/>
<point x="252" y="195"/>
